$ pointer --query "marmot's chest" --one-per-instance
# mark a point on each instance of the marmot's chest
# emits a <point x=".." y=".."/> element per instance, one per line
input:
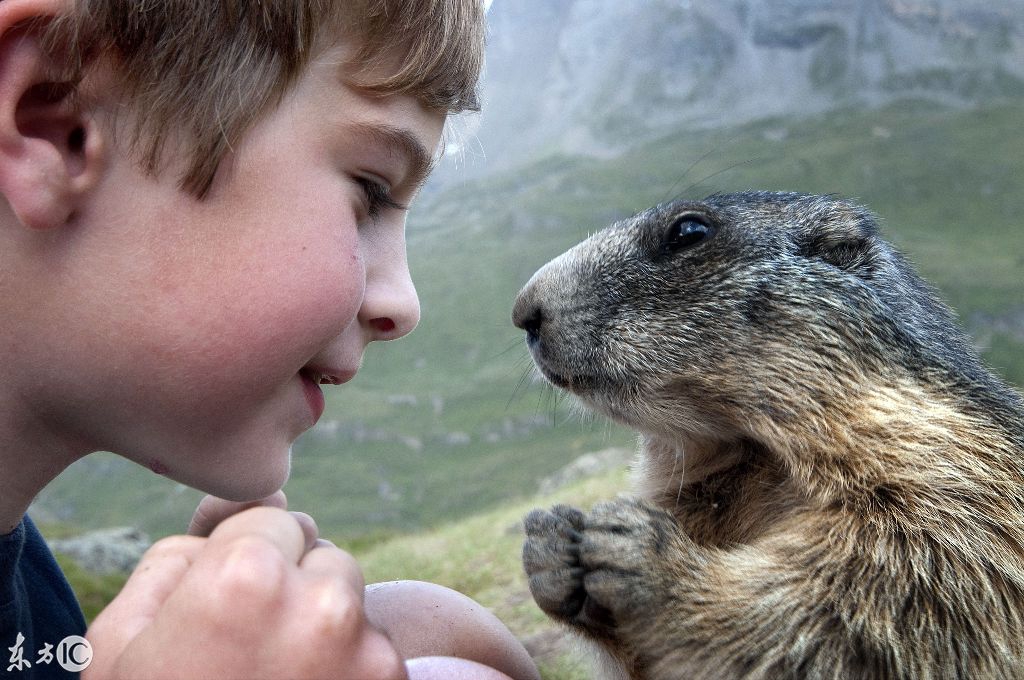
<point x="732" y="507"/>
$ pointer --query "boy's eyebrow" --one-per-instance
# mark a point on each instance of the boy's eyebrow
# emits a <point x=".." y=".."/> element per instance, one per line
<point x="401" y="142"/>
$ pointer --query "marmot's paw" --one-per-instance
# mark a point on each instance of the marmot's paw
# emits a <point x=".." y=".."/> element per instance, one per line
<point x="551" y="559"/>
<point x="626" y="544"/>
<point x="602" y="569"/>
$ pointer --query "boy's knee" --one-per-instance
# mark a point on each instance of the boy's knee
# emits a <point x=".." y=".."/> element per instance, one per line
<point x="448" y="668"/>
<point x="428" y="620"/>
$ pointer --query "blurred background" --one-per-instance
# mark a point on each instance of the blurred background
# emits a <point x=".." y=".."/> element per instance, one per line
<point x="594" y="110"/>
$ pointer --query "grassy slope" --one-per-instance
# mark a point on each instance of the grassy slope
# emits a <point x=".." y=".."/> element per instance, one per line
<point x="946" y="183"/>
<point x="479" y="556"/>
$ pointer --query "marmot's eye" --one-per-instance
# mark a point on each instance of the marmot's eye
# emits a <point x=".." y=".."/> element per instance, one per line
<point x="686" y="232"/>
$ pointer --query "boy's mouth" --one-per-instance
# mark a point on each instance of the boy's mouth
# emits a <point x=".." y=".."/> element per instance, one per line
<point x="314" y="395"/>
<point x="312" y="379"/>
<point x="320" y="376"/>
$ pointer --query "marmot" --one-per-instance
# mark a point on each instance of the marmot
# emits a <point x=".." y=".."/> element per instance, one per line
<point x="831" y="484"/>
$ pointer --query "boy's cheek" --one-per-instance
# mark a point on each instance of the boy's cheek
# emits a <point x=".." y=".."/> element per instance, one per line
<point x="227" y="437"/>
<point x="223" y="371"/>
<point x="260" y="325"/>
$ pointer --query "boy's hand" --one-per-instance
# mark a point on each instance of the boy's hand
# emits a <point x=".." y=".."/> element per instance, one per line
<point x="212" y="511"/>
<point x="249" y="601"/>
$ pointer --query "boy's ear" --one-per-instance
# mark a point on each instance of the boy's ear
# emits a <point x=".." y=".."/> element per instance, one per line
<point x="50" y="150"/>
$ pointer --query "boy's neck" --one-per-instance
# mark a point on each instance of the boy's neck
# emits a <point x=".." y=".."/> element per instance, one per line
<point x="29" y="463"/>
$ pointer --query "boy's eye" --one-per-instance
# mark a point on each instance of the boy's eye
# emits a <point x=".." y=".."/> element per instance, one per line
<point x="378" y="197"/>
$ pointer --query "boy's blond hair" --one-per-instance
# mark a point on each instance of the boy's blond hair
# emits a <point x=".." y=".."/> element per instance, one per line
<point x="209" y="70"/>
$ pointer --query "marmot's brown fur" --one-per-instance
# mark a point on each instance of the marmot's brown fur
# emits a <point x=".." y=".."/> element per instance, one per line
<point x="831" y="483"/>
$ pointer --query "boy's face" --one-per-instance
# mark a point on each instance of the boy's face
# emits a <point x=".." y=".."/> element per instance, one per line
<point x="194" y="331"/>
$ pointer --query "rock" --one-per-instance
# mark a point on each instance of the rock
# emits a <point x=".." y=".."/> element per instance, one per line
<point x="587" y="465"/>
<point x="106" y="551"/>
<point x="402" y="400"/>
<point x="456" y="439"/>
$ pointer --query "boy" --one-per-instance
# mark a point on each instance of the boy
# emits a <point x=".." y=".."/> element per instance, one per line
<point x="204" y="222"/>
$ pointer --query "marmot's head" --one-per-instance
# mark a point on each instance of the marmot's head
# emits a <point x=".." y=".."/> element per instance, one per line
<point x="695" y="318"/>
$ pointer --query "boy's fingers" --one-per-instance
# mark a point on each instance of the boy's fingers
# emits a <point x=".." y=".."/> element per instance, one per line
<point x="310" y="531"/>
<point x="333" y="605"/>
<point x="155" y="577"/>
<point x="334" y="562"/>
<point x="212" y="511"/>
<point x="279" y="528"/>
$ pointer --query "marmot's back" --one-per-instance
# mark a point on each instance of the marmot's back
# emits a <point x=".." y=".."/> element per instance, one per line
<point x="807" y="399"/>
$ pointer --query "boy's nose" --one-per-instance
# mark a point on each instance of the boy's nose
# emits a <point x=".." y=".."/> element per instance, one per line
<point x="391" y="307"/>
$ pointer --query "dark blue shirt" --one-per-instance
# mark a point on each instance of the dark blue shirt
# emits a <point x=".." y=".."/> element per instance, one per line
<point x="35" y="602"/>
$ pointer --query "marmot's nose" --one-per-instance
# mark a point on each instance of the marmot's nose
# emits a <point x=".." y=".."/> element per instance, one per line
<point x="528" y="314"/>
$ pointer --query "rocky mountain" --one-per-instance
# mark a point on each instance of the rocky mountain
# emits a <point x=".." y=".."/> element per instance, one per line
<point x="597" y="76"/>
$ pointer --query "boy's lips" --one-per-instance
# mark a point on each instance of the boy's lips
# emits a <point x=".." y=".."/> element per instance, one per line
<point x="314" y="395"/>
<point x="312" y="378"/>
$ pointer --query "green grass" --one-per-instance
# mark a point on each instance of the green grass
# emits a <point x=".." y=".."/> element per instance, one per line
<point x="479" y="556"/>
<point x="946" y="183"/>
<point x="94" y="591"/>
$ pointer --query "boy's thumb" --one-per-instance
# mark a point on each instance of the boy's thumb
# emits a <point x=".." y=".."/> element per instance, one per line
<point x="212" y="511"/>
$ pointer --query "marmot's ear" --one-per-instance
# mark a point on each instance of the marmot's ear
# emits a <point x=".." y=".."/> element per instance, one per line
<point x="50" y="148"/>
<point x="847" y="254"/>
<point x="845" y="240"/>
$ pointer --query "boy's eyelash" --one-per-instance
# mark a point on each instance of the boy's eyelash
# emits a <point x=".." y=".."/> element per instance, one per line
<point x="378" y="197"/>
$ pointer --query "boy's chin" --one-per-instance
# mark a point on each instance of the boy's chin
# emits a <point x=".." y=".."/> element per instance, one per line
<point x="244" y="484"/>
